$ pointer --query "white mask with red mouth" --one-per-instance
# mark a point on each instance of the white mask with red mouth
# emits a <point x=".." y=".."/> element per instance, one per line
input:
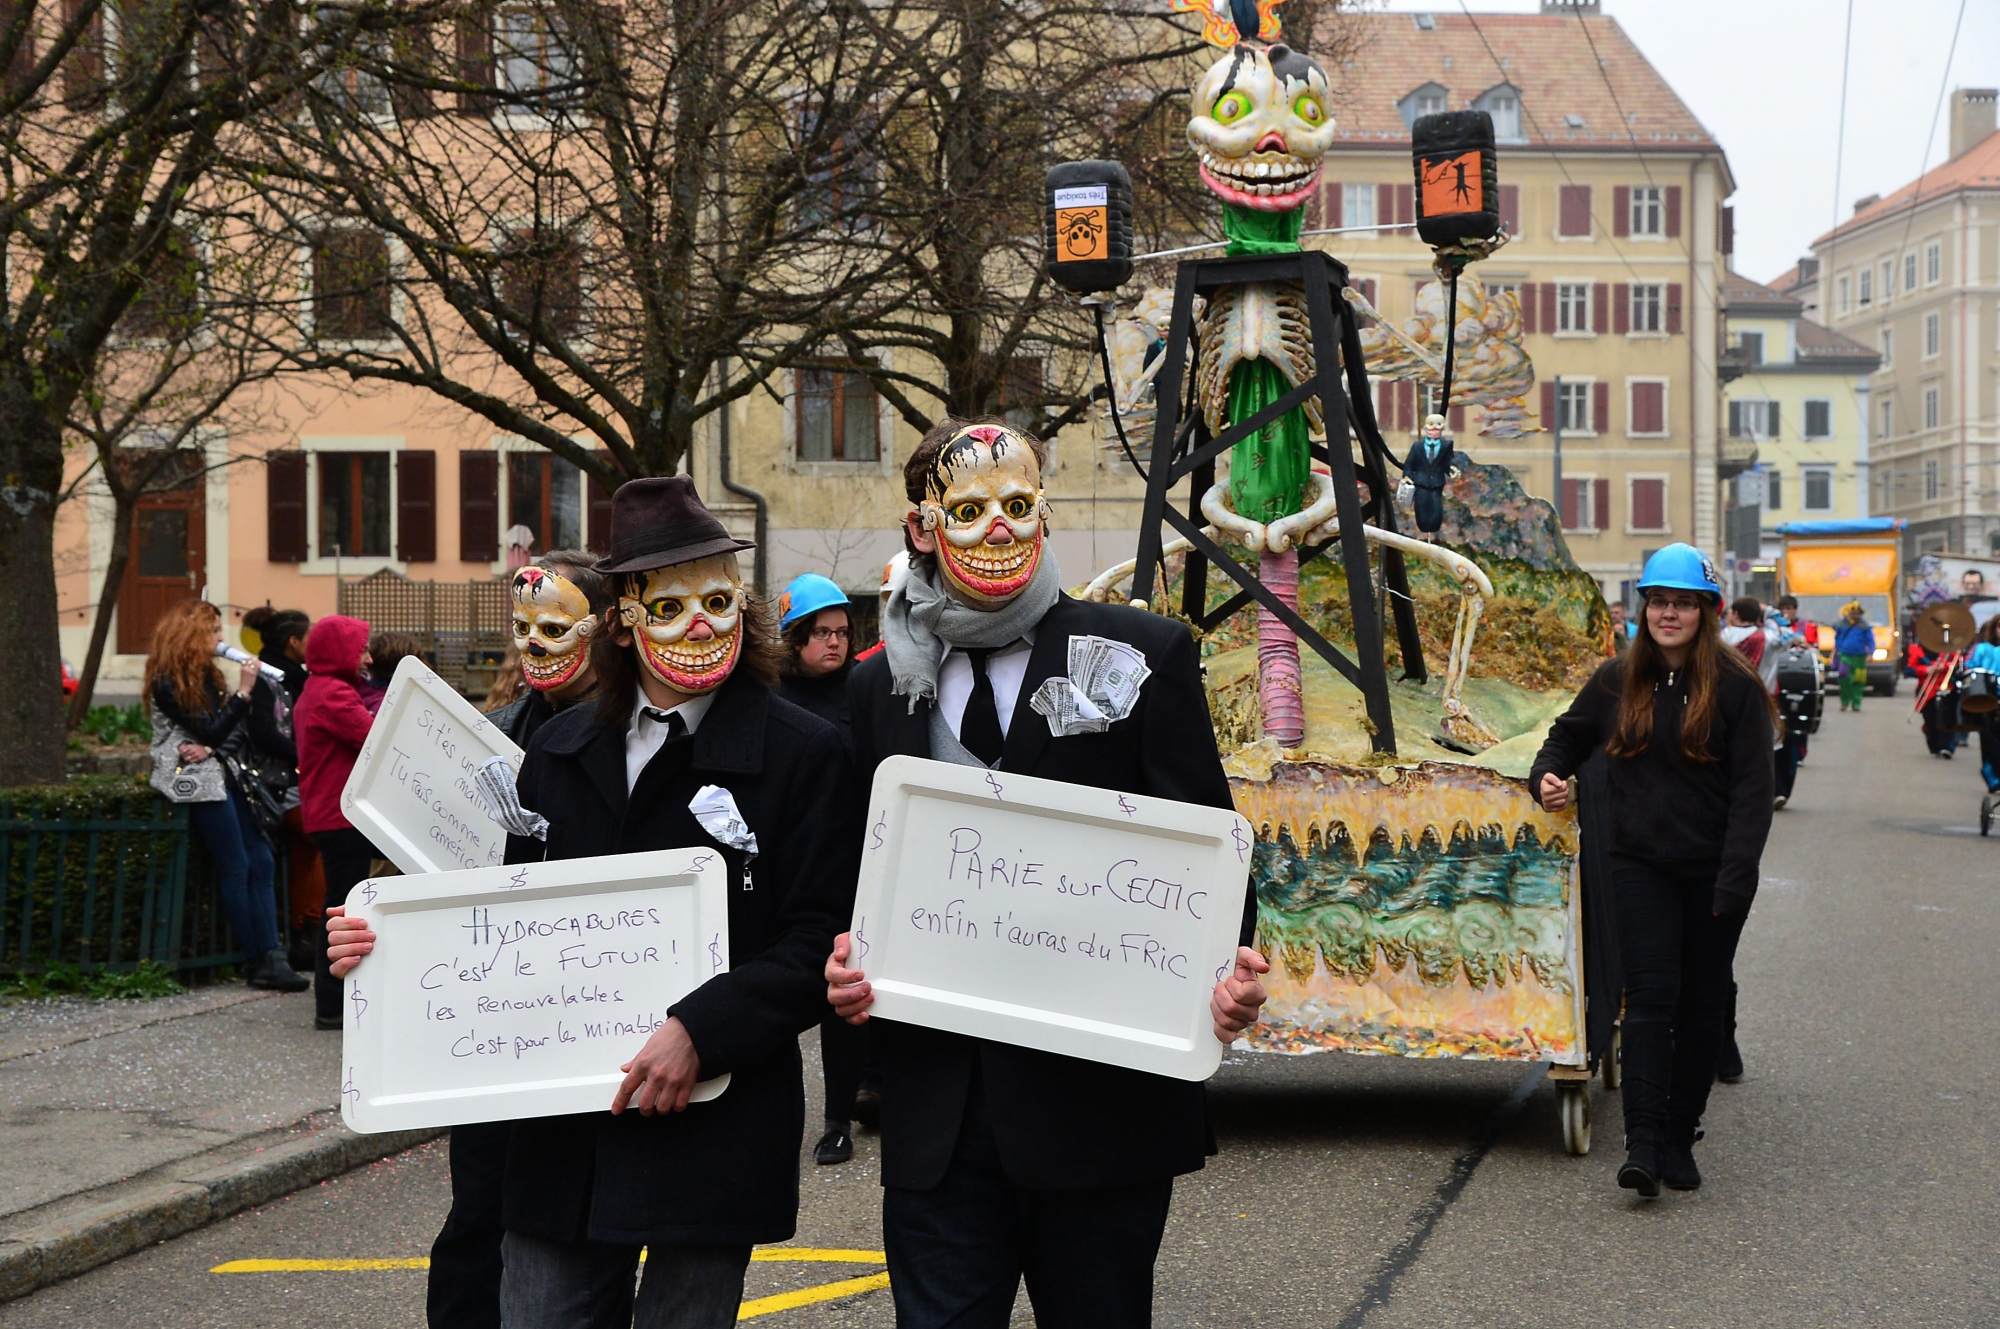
<point x="552" y="626"/>
<point x="1261" y="127"/>
<point x="985" y="515"/>
<point x="686" y="621"/>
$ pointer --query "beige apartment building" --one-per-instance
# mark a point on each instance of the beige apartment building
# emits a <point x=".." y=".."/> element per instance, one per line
<point x="1614" y="195"/>
<point x="1914" y="276"/>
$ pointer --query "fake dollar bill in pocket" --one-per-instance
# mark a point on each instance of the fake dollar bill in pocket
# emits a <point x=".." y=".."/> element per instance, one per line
<point x="1102" y="688"/>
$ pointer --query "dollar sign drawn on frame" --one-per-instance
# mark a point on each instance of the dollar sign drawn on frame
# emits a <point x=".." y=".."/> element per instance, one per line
<point x="1236" y="833"/>
<point x="993" y="782"/>
<point x="881" y="826"/>
<point x="1127" y="808"/>
<point x="360" y="1002"/>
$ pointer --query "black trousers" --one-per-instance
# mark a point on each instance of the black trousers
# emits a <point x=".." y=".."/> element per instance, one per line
<point x="843" y="1054"/>
<point x="958" y="1251"/>
<point x="345" y="854"/>
<point x="464" y="1291"/>
<point x="1785" y="762"/>
<point x="1678" y="955"/>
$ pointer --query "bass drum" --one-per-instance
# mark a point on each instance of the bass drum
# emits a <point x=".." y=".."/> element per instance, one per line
<point x="1978" y="692"/>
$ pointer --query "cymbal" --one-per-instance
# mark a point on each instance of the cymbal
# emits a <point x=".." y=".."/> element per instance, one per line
<point x="1946" y="627"/>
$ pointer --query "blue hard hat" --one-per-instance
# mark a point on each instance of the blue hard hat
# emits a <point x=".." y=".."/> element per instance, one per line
<point x="807" y="595"/>
<point x="1681" y="567"/>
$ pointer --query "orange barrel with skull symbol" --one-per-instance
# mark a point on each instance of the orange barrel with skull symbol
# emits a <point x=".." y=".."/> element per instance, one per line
<point x="1088" y="227"/>
<point x="1458" y="178"/>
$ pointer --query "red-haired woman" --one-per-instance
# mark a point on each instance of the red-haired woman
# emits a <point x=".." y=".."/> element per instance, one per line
<point x="188" y="690"/>
<point x="1686" y="724"/>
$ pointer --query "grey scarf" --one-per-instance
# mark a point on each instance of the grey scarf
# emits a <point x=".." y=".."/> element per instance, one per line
<point x="922" y="616"/>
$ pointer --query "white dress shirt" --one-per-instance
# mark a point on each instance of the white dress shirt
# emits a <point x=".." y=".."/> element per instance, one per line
<point x="1007" y="667"/>
<point x="646" y="736"/>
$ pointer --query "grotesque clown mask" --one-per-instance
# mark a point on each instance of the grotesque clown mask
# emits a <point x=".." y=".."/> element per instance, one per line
<point x="1261" y="126"/>
<point x="686" y="621"/>
<point x="552" y="628"/>
<point x="986" y="512"/>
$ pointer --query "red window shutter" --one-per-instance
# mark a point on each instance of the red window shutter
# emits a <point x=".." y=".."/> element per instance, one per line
<point x="1648" y="408"/>
<point x="1600" y="510"/>
<point x="1385" y="406"/>
<point x="23" y="63"/>
<point x="597" y="520"/>
<point x="478" y="506"/>
<point x="1621" y="307"/>
<point x="1600" y="406"/>
<point x="1531" y="307"/>
<point x="1649" y="505"/>
<point x="1621" y="211"/>
<point x="285" y="507"/>
<point x="1510" y="208"/>
<point x="474" y="32"/>
<point x="1406" y="204"/>
<point x="1729" y="236"/>
<point x="1406" y="405"/>
<point x="83" y="68"/>
<point x="1599" y="297"/>
<point x="1673" y="211"/>
<point x="416" y="506"/>
<point x="1549" y="323"/>
<point x="1568" y="503"/>
<point x="1385" y="205"/>
<point x="1673" y="307"/>
<point x="1573" y="211"/>
<point x="1548" y="405"/>
<point x="1457" y="421"/>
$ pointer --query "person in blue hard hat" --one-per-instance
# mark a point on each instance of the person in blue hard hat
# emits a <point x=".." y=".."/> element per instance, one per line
<point x="1687" y="726"/>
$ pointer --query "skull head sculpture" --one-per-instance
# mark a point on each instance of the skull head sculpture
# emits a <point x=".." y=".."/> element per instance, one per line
<point x="552" y="628"/>
<point x="986" y="512"/>
<point x="1261" y="127"/>
<point x="687" y="620"/>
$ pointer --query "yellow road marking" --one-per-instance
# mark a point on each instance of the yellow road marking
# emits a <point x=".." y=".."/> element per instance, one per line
<point x="817" y="1255"/>
<point x="785" y="1301"/>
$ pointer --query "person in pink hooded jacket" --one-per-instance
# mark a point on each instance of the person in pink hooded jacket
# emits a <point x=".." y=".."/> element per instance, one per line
<point x="330" y="724"/>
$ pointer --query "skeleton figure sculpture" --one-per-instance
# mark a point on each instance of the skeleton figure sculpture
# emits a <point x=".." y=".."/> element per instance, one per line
<point x="987" y="509"/>
<point x="1260" y="128"/>
<point x="663" y="607"/>
<point x="552" y="626"/>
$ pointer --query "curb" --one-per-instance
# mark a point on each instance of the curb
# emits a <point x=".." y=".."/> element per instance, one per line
<point x="36" y="1257"/>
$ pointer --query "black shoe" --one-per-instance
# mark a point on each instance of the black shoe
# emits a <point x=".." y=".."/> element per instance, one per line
<point x="1677" y="1167"/>
<point x="1729" y="1066"/>
<point x="1641" y="1172"/>
<point x="868" y="1109"/>
<point x="322" y="1022"/>
<point x="271" y="971"/>
<point x="836" y="1146"/>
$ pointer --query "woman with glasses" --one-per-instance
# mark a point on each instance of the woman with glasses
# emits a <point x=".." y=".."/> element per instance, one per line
<point x="818" y="629"/>
<point x="1686" y="724"/>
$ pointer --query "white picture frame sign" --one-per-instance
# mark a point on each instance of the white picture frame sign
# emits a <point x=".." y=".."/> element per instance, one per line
<point x="411" y="791"/>
<point x="1064" y="917"/>
<point x="495" y="994"/>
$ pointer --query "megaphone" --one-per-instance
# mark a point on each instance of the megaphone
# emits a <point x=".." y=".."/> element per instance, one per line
<point x="237" y="655"/>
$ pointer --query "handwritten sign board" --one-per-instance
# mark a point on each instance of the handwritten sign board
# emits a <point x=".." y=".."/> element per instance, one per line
<point x="494" y="994"/>
<point x="1050" y="915"/>
<point x="411" y="790"/>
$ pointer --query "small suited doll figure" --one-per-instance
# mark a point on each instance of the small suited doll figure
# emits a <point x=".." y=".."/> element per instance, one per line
<point x="1426" y="469"/>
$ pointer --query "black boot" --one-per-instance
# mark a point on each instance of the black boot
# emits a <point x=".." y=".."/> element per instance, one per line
<point x="1641" y="1172"/>
<point x="1729" y="1063"/>
<point x="836" y="1146"/>
<point x="271" y="971"/>
<point x="1677" y="1167"/>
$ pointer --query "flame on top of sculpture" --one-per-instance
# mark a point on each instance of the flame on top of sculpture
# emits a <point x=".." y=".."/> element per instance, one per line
<point x="1491" y="368"/>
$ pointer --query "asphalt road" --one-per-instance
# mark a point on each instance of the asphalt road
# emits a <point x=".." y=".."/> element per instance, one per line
<point x="1851" y="1178"/>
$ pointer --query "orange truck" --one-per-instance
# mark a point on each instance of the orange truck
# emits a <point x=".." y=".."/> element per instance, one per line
<point x="1828" y="565"/>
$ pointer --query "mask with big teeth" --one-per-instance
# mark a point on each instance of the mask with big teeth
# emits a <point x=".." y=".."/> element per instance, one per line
<point x="685" y="620"/>
<point x="552" y="628"/>
<point x="1261" y="127"/>
<point x="987" y="513"/>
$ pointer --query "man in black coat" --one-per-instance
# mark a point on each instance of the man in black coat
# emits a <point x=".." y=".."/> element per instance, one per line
<point x="1427" y="468"/>
<point x="1002" y="1162"/>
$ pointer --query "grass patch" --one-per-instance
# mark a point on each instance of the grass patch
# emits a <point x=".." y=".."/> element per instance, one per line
<point x="151" y="979"/>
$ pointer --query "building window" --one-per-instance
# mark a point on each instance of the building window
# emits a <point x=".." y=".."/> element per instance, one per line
<point x="1888" y="347"/>
<point x="837" y="416"/>
<point x="1818" y="488"/>
<point x="1930" y="480"/>
<point x="1753" y="419"/>
<point x="1584" y="499"/>
<point x="531" y="54"/>
<point x="1930" y="408"/>
<point x="1753" y="347"/>
<point x="1888" y="280"/>
<point x="1648" y="503"/>
<point x="1573" y="408"/>
<point x="1573" y="306"/>
<point x="1841" y="286"/>
<point x="168" y="306"/>
<point x="1647" y="301"/>
<point x="1427" y="100"/>
<point x="1504" y="105"/>
<point x="354" y="504"/>
<point x="350" y="81"/>
<point x="1933" y="263"/>
<point x="1910" y="271"/>
<point x="545" y="496"/>
<point x="1573" y="211"/>
<point x="1888" y="417"/>
<point x="1648" y="212"/>
<point x="1931" y="325"/>
<point x="540" y="278"/>
<point x="1647" y="409"/>
<point x="1774" y="491"/>
<point x="1819" y="418"/>
<point x="1867" y="287"/>
<point x="1357" y="205"/>
<point x="842" y="182"/>
<point x="352" y="299"/>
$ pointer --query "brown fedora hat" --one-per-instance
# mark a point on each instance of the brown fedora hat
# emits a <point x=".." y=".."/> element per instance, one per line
<point x="661" y="521"/>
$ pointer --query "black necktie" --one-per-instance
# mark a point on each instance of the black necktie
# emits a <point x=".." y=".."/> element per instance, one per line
<point x="677" y="726"/>
<point x="979" y="728"/>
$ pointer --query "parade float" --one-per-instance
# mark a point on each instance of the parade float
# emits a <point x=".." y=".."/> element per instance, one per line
<point x="1413" y="899"/>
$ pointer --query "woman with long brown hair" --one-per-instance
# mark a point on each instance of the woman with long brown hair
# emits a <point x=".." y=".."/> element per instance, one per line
<point x="1686" y="725"/>
<point x="189" y="692"/>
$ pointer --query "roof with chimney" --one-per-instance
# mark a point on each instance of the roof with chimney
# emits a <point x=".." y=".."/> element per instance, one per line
<point x="1552" y="61"/>
<point x="1978" y="167"/>
<point x="1753" y="299"/>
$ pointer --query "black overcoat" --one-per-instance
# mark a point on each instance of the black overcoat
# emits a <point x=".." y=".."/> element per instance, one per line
<point x="1060" y="1122"/>
<point x="723" y="1172"/>
<point x="1428" y="476"/>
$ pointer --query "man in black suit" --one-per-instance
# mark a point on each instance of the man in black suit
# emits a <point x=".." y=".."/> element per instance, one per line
<point x="1002" y="1162"/>
<point x="1427" y="468"/>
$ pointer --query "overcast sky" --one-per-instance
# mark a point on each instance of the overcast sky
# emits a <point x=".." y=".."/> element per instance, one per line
<point x="1764" y="76"/>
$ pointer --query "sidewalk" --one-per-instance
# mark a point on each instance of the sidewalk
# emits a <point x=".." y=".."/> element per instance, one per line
<point x="125" y="1122"/>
